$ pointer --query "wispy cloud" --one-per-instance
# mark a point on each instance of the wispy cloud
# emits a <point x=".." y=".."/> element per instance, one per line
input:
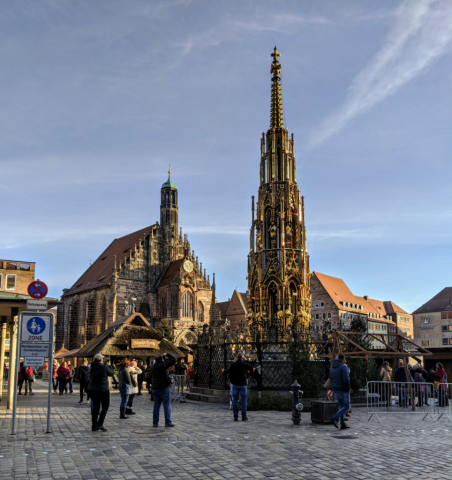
<point x="422" y="33"/>
<point x="230" y="29"/>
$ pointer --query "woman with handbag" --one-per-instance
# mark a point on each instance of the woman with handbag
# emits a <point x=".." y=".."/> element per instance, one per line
<point x="134" y="371"/>
<point x="125" y="386"/>
<point x="99" y="391"/>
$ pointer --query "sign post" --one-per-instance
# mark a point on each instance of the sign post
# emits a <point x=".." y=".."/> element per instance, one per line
<point x="34" y="343"/>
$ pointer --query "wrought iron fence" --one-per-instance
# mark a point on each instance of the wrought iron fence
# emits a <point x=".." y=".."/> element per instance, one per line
<point x="268" y="350"/>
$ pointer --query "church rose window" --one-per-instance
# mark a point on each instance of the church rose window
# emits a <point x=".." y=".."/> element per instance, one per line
<point x="187" y="305"/>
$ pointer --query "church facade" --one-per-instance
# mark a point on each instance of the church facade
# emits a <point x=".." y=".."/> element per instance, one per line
<point x="152" y="271"/>
<point x="278" y="262"/>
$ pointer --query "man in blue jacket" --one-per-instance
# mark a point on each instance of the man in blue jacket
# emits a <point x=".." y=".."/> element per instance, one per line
<point x="340" y="381"/>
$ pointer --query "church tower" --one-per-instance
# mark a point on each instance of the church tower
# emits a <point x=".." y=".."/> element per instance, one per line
<point x="169" y="221"/>
<point x="278" y="262"/>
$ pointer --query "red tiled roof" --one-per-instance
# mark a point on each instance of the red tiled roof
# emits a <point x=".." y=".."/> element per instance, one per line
<point x="341" y="295"/>
<point x="244" y="298"/>
<point x="223" y="306"/>
<point x="391" y="307"/>
<point x="100" y="272"/>
<point x="171" y="272"/>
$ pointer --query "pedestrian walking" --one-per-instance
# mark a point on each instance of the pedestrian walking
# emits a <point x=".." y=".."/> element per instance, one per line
<point x="238" y="376"/>
<point x="134" y="371"/>
<point x="161" y="384"/>
<point x="439" y="379"/>
<point x="99" y="392"/>
<point x="401" y="378"/>
<point x="181" y="367"/>
<point x="140" y="376"/>
<point x="340" y="384"/>
<point x="20" y="377"/>
<point x="63" y="374"/>
<point x="419" y="380"/>
<point x="70" y="382"/>
<point x="55" y="382"/>
<point x="83" y="378"/>
<point x="386" y="376"/>
<point x="190" y="376"/>
<point x="29" y="378"/>
<point x="148" y="379"/>
<point x="124" y="385"/>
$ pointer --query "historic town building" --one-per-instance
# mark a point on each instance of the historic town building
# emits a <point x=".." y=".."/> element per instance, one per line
<point x="152" y="271"/>
<point x="235" y="310"/>
<point x="278" y="262"/>
<point x="433" y="329"/>
<point x="333" y="302"/>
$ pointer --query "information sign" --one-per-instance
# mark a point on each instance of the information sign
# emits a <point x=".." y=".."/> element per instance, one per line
<point x="34" y="350"/>
<point x="34" y="361"/>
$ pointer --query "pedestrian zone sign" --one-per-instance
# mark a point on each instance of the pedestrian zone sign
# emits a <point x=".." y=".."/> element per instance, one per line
<point x="36" y="327"/>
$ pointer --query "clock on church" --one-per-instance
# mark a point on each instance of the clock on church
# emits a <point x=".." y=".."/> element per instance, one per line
<point x="188" y="266"/>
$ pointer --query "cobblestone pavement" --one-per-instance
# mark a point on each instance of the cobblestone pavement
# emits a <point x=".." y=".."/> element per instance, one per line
<point x="207" y="444"/>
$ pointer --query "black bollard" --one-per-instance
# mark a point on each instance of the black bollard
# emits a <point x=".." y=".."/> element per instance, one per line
<point x="297" y="405"/>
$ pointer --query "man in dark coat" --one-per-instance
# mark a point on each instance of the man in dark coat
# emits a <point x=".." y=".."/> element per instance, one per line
<point x="83" y="377"/>
<point x="340" y="384"/>
<point x="161" y="383"/>
<point x="238" y="376"/>
<point x="401" y="377"/>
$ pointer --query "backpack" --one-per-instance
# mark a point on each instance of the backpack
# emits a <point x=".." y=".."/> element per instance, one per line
<point x="27" y="373"/>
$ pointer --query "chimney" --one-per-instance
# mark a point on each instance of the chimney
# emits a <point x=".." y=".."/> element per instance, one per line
<point x="366" y="297"/>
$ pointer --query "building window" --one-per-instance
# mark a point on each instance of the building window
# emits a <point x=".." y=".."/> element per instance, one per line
<point x="329" y="315"/>
<point x="444" y="328"/>
<point x="445" y="341"/>
<point x="187" y="305"/>
<point x="10" y="282"/>
<point x="450" y="314"/>
<point x="322" y="304"/>
<point x="200" y="312"/>
<point x="323" y="316"/>
<point x="425" y="343"/>
<point x="316" y="305"/>
<point x="444" y="315"/>
<point x="1" y="282"/>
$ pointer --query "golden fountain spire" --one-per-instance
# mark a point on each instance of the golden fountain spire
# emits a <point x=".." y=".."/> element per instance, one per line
<point x="276" y="114"/>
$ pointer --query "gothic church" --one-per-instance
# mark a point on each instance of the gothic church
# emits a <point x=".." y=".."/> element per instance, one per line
<point x="152" y="271"/>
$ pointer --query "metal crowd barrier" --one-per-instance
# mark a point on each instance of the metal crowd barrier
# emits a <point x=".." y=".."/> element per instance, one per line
<point x="444" y="400"/>
<point x="401" y="397"/>
<point x="177" y="388"/>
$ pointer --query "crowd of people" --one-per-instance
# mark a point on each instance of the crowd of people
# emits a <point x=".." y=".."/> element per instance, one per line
<point x="425" y="384"/>
<point x="98" y="378"/>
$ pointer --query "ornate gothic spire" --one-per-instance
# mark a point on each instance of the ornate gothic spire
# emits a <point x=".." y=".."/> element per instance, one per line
<point x="276" y="114"/>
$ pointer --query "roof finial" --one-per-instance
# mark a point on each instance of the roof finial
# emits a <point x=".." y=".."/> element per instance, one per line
<point x="169" y="171"/>
<point x="276" y="115"/>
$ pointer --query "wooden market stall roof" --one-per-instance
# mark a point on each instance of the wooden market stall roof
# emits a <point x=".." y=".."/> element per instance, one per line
<point x="343" y="342"/>
<point x="116" y="340"/>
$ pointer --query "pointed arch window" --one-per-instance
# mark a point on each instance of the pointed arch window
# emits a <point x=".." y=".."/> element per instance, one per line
<point x="200" y="312"/>
<point x="187" y="305"/>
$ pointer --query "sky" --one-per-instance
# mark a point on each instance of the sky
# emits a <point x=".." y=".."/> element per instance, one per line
<point x="97" y="98"/>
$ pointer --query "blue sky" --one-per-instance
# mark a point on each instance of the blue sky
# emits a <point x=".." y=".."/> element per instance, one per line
<point x="98" y="97"/>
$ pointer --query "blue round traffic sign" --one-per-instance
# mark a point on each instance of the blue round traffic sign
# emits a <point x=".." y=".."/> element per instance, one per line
<point x="37" y="289"/>
<point x="36" y="326"/>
